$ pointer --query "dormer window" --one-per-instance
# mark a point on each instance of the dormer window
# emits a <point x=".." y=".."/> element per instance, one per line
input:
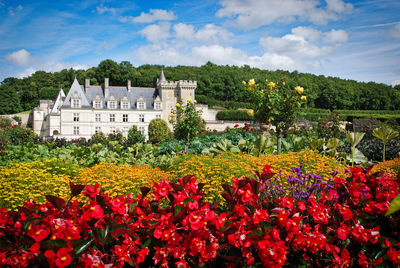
<point x="125" y="103"/>
<point x="112" y="104"/>
<point x="141" y="104"/>
<point x="157" y="103"/>
<point x="97" y="102"/>
<point x="76" y="103"/>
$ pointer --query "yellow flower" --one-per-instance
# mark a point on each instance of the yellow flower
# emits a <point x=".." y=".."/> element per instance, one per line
<point x="243" y="82"/>
<point x="169" y="114"/>
<point x="169" y="118"/>
<point x="262" y="90"/>
<point x="303" y="98"/>
<point x="252" y="82"/>
<point x="194" y="101"/>
<point x="178" y="105"/>
<point x="250" y="112"/>
<point x="271" y="85"/>
<point x="189" y="100"/>
<point x="299" y="89"/>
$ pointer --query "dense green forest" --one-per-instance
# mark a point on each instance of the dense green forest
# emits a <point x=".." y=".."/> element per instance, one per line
<point x="214" y="81"/>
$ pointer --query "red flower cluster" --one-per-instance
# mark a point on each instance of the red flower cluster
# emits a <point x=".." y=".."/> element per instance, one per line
<point x="343" y="226"/>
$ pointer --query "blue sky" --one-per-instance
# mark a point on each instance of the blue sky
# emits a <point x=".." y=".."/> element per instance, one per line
<point x="357" y="40"/>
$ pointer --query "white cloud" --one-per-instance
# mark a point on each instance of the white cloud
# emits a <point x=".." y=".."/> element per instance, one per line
<point x="395" y="83"/>
<point x="51" y="67"/>
<point x="395" y="31"/>
<point x="339" y="6"/>
<point x="156" y="32"/>
<point x="294" y="45"/>
<point x="211" y="34"/>
<point x="155" y="15"/>
<point x="102" y="10"/>
<point x="198" y="55"/>
<point x="304" y="42"/>
<point x="12" y="10"/>
<point x="336" y="36"/>
<point x="184" y="31"/>
<point x="308" y="33"/>
<point x="20" y="57"/>
<point x="252" y="14"/>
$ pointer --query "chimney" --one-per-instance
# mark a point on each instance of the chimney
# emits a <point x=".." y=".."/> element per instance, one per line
<point x="129" y="85"/>
<point x="106" y="88"/>
<point x="87" y="83"/>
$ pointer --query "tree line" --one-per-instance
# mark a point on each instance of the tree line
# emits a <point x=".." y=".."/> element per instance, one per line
<point x="220" y="82"/>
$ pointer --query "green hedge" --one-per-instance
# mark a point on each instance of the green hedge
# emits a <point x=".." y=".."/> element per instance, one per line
<point x="234" y="115"/>
<point x="226" y="104"/>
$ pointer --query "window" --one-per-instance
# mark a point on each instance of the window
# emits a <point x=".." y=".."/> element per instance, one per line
<point x="141" y="129"/>
<point x="158" y="115"/>
<point x="97" y="117"/>
<point x="97" y="104"/>
<point x="75" y="103"/>
<point x="76" y="130"/>
<point x="112" y="104"/>
<point x="112" y="117"/>
<point x="141" y="105"/>
<point x="76" y="117"/>
<point x="98" y="129"/>
<point x="124" y="118"/>
<point x="141" y="117"/>
<point x="158" y="106"/>
<point x="125" y="105"/>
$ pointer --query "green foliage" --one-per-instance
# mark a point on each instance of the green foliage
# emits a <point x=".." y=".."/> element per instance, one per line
<point x="385" y="133"/>
<point x="356" y="156"/>
<point x="394" y="206"/>
<point x="159" y="131"/>
<point x="220" y="85"/>
<point x="187" y="121"/>
<point x="135" y="136"/>
<point x="234" y="115"/>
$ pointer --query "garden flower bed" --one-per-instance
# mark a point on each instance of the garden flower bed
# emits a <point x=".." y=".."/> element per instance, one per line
<point x="337" y="223"/>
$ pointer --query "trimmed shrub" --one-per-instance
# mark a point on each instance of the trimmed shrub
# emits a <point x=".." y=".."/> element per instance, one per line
<point x="234" y="115"/>
<point x="159" y="131"/>
<point x="134" y="136"/>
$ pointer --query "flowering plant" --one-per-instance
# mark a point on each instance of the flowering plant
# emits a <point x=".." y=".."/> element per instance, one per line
<point x="337" y="224"/>
<point x="187" y="121"/>
<point x="276" y="104"/>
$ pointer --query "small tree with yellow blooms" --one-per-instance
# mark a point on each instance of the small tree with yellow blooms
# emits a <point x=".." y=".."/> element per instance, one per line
<point x="187" y="121"/>
<point x="276" y="104"/>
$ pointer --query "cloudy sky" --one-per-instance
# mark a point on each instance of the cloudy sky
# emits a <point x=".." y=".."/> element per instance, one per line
<point x="357" y="40"/>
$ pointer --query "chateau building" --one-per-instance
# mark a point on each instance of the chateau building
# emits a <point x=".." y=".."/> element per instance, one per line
<point x="89" y="109"/>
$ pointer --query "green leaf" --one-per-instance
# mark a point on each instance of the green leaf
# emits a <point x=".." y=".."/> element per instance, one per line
<point x="385" y="133"/>
<point x="394" y="206"/>
<point x="100" y="234"/>
<point x="147" y="243"/>
<point x="57" y="242"/>
<point x="178" y="209"/>
<point x="82" y="246"/>
<point x="354" y="138"/>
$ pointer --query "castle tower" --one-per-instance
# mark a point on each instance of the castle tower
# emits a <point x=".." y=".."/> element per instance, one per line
<point x="169" y="94"/>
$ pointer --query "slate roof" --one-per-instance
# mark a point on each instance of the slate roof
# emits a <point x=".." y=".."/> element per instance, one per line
<point x="149" y="94"/>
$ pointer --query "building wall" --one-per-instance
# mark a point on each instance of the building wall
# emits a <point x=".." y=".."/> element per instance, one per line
<point x="87" y="121"/>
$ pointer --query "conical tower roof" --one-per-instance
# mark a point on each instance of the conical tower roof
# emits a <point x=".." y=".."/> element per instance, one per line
<point x="162" y="76"/>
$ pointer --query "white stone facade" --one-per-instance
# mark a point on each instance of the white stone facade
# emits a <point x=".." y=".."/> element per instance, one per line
<point x="88" y="109"/>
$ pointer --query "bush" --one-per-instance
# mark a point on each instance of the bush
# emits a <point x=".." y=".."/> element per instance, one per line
<point x="134" y="136"/>
<point x="116" y="136"/>
<point x="159" y="131"/>
<point x="234" y="115"/>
